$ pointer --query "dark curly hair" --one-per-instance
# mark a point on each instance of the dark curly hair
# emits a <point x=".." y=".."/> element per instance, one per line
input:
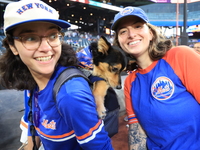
<point x="14" y="74"/>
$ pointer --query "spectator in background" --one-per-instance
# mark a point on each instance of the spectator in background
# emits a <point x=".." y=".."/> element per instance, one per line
<point x="162" y="93"/>
<point x="197" y="47"/>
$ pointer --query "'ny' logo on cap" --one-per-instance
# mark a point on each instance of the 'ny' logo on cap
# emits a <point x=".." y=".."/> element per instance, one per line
<point x="127" y="11"/>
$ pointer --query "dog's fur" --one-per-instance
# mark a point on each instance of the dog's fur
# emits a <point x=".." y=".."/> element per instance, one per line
<point x="108" y="63"/>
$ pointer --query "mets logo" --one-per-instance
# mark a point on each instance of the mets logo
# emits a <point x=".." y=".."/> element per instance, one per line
<point x="126" y="11"/>
<point x="162" y="88"/>
<point x="50" y="125"/>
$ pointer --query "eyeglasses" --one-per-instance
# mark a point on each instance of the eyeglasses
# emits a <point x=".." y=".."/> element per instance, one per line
<point x="33" y="42"/>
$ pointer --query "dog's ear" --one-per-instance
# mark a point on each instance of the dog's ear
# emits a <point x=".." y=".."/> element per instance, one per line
<point x="103" y="45"/>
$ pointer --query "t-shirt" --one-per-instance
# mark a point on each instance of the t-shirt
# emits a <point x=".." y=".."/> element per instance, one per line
<point x="164" y="98"/>
<point x="78" y="126"/>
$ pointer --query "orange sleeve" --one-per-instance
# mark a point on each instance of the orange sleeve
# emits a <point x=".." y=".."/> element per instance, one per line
<point x="186" y="64"/>
<point x="128" y="100"/>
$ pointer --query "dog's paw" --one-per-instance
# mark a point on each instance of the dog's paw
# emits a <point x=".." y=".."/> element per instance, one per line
<point x="101" y="112"/>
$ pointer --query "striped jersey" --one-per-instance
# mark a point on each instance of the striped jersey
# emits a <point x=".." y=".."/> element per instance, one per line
<point x="78" y="125"/>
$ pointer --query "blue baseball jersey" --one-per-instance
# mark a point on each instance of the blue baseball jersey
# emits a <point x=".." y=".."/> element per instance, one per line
<point x="85" y="58"/>
<point x="78" y="125"/>
<point x="164" y="98"/>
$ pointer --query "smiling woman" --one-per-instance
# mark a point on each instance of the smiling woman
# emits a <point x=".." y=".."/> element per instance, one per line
<point x="160" y="88"/>
<point x="39" y="46"/>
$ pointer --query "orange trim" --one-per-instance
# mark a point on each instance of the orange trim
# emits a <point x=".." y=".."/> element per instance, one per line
<point x="55" y="136"/>
<point x="131" y="115"/>
<point x="127" y="89"/>
<point x="24" y="124"/>
<point x="90" y="131"/>
<point x="148" y="69"/>
<point x="132" y="121"/>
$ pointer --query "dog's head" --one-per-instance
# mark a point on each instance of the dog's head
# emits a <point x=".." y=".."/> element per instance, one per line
<point x="108" y="61"/>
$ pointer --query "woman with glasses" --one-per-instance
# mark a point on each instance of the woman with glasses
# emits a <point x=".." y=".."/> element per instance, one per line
<point x="162" y="92"/>
<point x="35" y="56"/>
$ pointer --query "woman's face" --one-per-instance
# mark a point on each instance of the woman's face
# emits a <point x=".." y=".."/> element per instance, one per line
<point x="134" y="36"/>
<point x="42" y="60"/>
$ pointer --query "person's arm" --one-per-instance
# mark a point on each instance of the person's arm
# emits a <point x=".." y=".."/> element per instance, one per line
<point x="30" y="142"/>
<point x="78" y="109"/>
<point x="137" y="137"/>
<point x="185" y="63"/>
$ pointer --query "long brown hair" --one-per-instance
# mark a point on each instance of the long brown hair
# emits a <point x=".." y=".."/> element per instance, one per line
<point x="158" y="46"/>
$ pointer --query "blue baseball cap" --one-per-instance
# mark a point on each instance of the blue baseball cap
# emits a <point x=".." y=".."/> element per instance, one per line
<point x="129" y="11"/>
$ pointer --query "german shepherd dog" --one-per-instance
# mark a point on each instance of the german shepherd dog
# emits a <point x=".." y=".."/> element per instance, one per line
<point x="108" y="63"/>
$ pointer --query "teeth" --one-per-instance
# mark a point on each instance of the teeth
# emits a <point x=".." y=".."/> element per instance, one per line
<point x="134" y="42"/>
<point x="43" y="58"/>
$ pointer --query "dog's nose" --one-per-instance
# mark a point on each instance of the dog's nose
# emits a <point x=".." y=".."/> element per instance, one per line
<point x="118" y="87"/>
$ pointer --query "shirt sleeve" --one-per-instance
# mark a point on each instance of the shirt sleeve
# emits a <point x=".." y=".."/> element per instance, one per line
<point x="128" y="100"/>
<point x="186" y="64"/>
<point x="79" y="112"/>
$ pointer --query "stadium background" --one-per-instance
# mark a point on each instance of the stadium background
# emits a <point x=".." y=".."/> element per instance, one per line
<point x="92" y="19"/>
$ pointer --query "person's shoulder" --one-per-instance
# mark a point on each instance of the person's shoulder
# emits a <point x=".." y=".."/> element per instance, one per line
<point x="75" y="86"/>
<point x="180" y="51"/>
<point x="75" y="83"/>
<point x="181" y="48"/>
<point x="180" y="54"/>
<point x="60" y="73"/>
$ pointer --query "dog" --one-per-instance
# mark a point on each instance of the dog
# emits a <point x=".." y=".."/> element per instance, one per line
<point x="107" y="62"/>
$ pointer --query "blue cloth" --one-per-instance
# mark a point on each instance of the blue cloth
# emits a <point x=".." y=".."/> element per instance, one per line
<point x="79" y="126"/>
<point x="85" y="58"/>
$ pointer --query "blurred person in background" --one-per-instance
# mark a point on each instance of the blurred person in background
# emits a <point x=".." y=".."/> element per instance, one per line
<point x="197" y="47"/>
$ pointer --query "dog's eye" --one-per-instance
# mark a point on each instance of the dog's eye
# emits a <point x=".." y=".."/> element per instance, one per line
<point x="115" y="69"/>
